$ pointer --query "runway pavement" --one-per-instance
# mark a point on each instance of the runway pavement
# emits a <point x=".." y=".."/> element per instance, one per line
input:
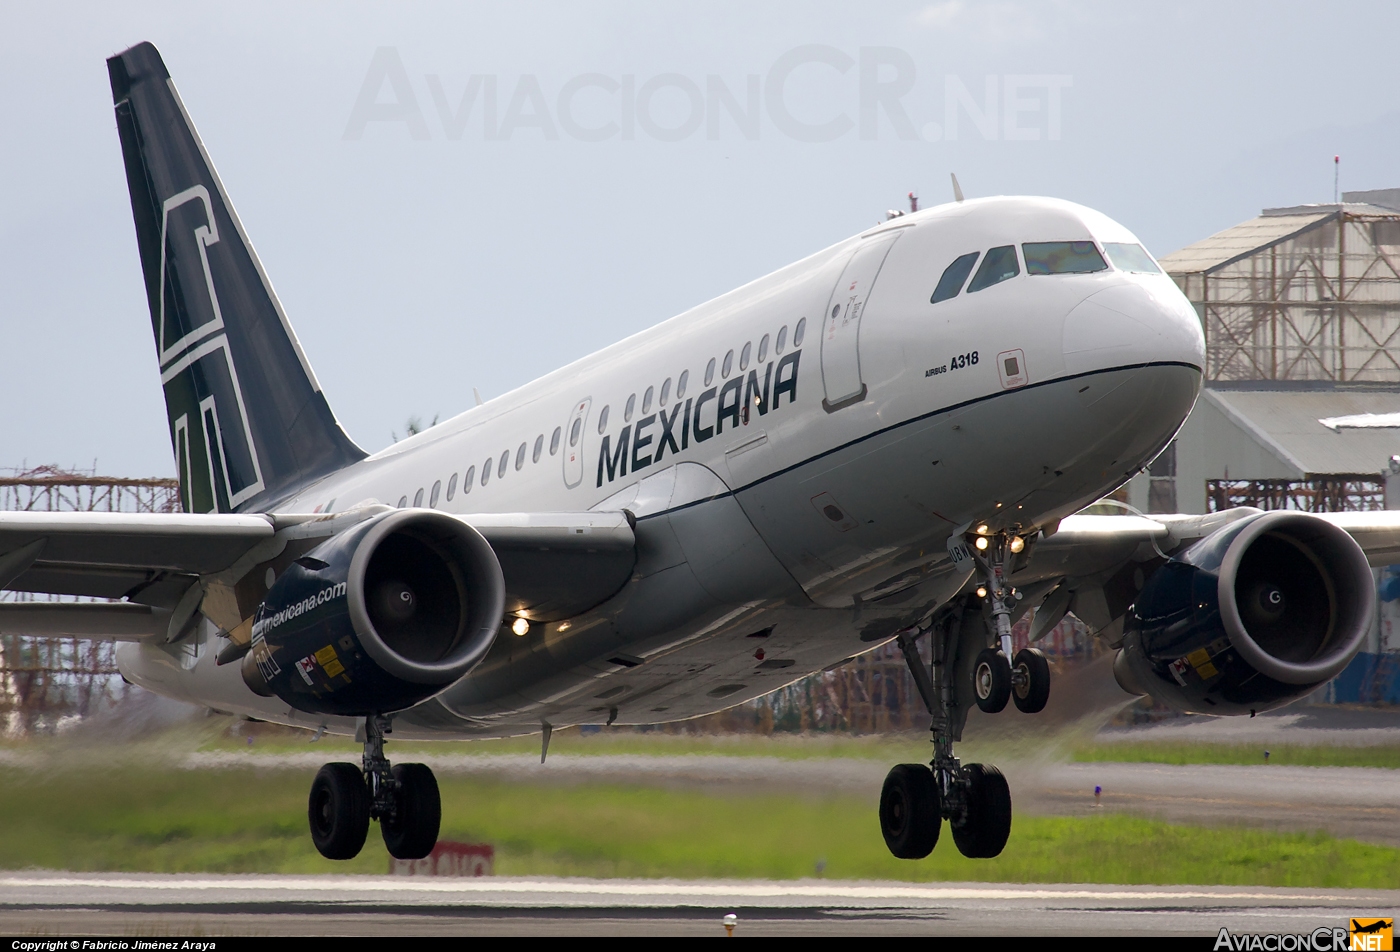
<point x="64" y="905"/>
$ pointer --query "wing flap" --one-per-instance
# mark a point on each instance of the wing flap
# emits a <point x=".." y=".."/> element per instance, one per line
<point x="556" y="565"/>
<point x="93" y="621"/>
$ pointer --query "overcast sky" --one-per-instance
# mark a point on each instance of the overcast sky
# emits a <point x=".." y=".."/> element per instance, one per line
<point x="449" y="196"/>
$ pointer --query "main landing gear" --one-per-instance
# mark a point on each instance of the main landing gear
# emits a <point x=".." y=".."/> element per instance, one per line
<point x="973" y="798"/>
<point x="404" y="799"/>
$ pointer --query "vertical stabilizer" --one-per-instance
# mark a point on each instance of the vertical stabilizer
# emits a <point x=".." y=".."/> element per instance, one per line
<point x="248" y="422"/>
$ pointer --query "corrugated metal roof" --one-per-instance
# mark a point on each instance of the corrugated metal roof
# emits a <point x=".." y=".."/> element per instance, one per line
<point x="1272" y="226"/>
<point x="1236" y="241"/>
<point x="1286" y="421"/>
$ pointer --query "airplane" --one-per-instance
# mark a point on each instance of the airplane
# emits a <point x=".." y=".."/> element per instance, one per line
<point x="885" y="441"/>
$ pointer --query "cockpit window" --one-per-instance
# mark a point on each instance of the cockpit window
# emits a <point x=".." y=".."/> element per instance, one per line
<point x="953" y="277"/>
<point x="1130" y="257"/>
<point x="998" y="265"/>
<point x="1062" y="257"/>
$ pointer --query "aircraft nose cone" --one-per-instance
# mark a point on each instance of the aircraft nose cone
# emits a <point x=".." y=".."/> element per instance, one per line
<point x="1132" y="323"/>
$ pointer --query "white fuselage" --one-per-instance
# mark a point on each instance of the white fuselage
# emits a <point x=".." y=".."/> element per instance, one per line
<point x="797" y="453"/>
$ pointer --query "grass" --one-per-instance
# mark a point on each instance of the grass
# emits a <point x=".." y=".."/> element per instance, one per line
<point x="146" y="818"/>
<point x="622" y="741"/>
<point x="1066" y="744"/>
<point x="1287" y="754"/>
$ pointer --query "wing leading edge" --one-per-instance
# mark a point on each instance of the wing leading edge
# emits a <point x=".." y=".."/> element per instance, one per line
<point x="162" y="569"/>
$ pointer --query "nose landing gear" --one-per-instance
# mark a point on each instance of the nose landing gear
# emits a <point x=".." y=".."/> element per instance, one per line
<point x="404" y="799"/>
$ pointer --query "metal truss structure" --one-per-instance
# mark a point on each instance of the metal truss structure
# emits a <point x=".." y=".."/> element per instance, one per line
<point x="1319" y="494"/>
<point x="44" y="681"/>
<point x="873" y="693"/>
<point x="1321" y="302"/>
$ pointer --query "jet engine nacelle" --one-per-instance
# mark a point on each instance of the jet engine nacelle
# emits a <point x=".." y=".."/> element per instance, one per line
<point x="1253" y="616"/>
<point x="378" y="618"/>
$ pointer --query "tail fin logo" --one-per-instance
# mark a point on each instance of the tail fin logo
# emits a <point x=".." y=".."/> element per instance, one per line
<point x="217" y="460"/>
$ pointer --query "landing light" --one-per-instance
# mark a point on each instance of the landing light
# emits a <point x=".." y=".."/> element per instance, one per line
<point x="982" y="529"/>
<point x="521" y="627"/>
<point x="1017" y="543"/>
<point x="981" y="591"/>
<point x="981" y="543"/>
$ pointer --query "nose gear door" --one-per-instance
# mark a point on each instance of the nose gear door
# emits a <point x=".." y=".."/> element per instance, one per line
<point x="841" y="325"/>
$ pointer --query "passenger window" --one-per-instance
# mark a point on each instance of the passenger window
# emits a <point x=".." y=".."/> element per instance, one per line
<point x="763" y="349"/>
<point x="710" y="372"/>
<point x="680" y="384"/>
<point x="728" y="365"/>
<point x="602" y="422"/>
<point x="433" y="496"/>
<point x="1062" y="257"/>
<point x="998" y="265"/>
<point x="554" y="440"/>
<point x="418" y="499"/>
<point x="666" y="392"/>
<point x="403" y="501"/>
<point x="486" y="471"/>
<point x="782" y="341"/>
<point x="1130" y="257"/>
<point x="646" y="400"/>
<point x="539" y="449"/>
<point x="452" y="486"/>
<point x="627" y="410"/>
<point x="744" y="356"/>
<point x="799" y="333"/>
<point x="953" y="278"/>
<point x="520" y="457"/>
<point x="505" y="461"/>
<point x="574" y="431"/>
<point x="468" y="479"/>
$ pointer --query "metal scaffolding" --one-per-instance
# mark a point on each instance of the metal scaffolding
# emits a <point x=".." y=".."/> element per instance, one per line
<point x="1319" y="494"/>
<point x="1306" y="293"/>
<point x="872" y="693"/>
<point x="44" y="681"/>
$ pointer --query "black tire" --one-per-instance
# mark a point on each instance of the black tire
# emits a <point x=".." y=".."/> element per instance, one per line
<point x="1034" y="690"/>
<point x="991" y="680"/>
<point x="338" y="811"/>
<point x="910" y="812"/>
<point x="982" y="831"/>
<point x="413" y="831"/>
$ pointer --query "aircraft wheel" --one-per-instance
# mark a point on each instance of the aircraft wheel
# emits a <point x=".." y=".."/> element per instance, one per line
<point x="1031" y="680"/>
<point x="910" y="813"/>
<point x="982" y="831"/>
<point x="413" y="831"/>
<point x="991" y="680"/>
<point x="338" y="811"/>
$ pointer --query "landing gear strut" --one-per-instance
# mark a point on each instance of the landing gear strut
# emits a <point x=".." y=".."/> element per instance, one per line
<point x="998" y="676"/>
<point x="404" y="799"/>
<point x="973" y="798"/>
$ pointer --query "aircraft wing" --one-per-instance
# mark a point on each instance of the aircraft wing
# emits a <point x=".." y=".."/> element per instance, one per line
<point x="163" y="567"/>
<point x="1095" y="565"/>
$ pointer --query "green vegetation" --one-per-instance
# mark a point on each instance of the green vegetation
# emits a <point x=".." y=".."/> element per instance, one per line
<point x="655" y="743"/>
<point x="149" y="818"/>
<point x="1287" y="754"/>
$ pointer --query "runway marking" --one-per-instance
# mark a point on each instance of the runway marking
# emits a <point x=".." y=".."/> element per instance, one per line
<point x="486" y="885"/>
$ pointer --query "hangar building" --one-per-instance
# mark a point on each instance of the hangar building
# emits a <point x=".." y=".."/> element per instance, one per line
<point x="1301" y="410"/>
